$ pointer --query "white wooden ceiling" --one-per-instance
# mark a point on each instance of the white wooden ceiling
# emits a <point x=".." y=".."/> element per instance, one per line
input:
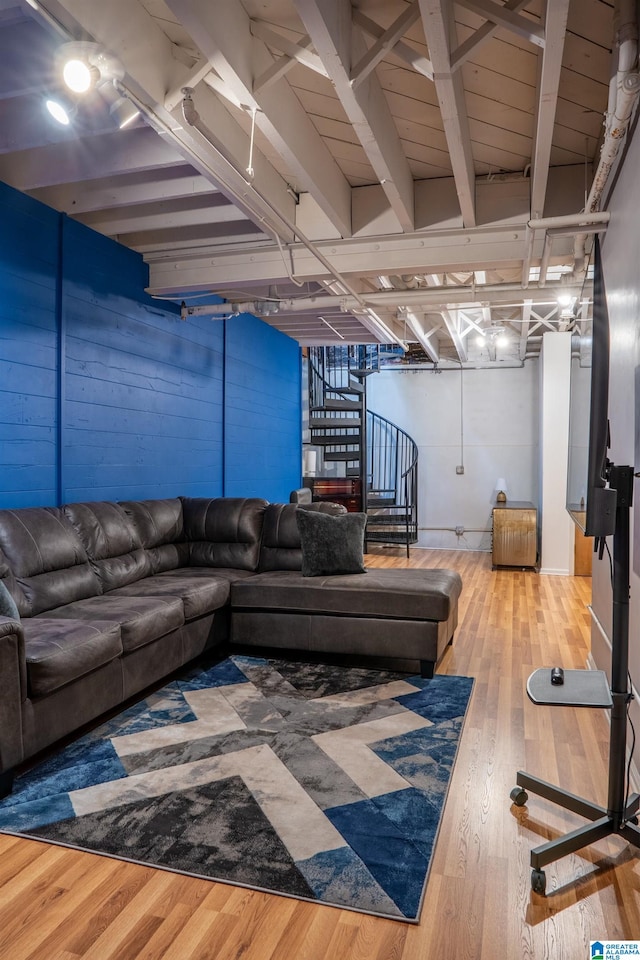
<point x="401" y="151"/>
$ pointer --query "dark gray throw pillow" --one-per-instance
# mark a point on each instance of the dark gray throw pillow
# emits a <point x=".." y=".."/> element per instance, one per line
<point x="7" y="603"/>
<point x="331" y="544"/>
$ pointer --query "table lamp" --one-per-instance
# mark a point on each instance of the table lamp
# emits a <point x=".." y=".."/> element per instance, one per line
<point x="501" y="487"/>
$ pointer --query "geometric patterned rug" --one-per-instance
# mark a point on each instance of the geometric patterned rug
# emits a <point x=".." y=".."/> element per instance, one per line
<point x="318" y="782"/>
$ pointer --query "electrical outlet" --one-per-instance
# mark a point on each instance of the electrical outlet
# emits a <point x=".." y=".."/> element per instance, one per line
<point x="459" y="469"/>
<point x="459" y="531"/>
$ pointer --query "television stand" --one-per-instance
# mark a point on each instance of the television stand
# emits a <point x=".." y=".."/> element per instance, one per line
<point x="583" y="689"/>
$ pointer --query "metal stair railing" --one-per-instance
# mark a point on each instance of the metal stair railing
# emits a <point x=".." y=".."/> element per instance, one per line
<point x="392" y="481"/>
<point x="386" y="456"/>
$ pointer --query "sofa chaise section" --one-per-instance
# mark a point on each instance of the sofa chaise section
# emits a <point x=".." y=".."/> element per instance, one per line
<point x="407" y="615"/>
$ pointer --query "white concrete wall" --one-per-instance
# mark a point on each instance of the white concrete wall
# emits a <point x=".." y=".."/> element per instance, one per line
<point x="496" y="436"/>
<point x="556" y="525"/>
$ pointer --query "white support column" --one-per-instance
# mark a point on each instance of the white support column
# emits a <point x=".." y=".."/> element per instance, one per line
<point x="556" y="524"/>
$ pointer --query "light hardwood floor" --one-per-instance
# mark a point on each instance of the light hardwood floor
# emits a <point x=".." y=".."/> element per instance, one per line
<point x="60" y="904"/>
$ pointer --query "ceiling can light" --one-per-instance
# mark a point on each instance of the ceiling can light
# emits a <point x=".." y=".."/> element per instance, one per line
<point x="565" y="299"/>
<point x="79" y="76"/>
<point x="59" y="110"/>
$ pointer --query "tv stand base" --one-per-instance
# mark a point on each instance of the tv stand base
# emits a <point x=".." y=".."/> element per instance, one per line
<point x="603" y="824"/>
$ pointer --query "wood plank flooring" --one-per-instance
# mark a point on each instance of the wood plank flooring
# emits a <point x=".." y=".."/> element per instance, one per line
<point x="60" y="904"/>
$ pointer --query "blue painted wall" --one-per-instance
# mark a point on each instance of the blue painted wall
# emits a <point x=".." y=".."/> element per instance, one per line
<point x="262" y="422"/>
<point x="107" y="394"/>
<point x="28" y="351"/>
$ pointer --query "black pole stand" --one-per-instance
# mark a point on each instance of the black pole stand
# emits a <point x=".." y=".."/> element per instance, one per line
<point x="620" y="816"/>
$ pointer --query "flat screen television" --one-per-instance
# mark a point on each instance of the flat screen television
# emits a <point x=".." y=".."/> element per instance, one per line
<point x="590" y="500"/>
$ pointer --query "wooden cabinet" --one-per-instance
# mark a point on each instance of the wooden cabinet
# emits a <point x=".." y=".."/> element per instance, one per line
<point x="515" y="534"/>
<point x="582" y="546"/>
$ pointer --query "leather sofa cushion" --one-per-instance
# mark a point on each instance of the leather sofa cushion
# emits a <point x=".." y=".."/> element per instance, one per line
<point x="141" y="619"/>
<point x="199" y="596"/>
<point x="280" y="548"/>
<point x="227" y="573"/>
<point x="159" y="524"/>
<point x="46" y="558"/>
<point x="111" y="541"/>
<point x="224" y="531"/>
<point x="60" y="651"/>
<point x="394" y="594"/>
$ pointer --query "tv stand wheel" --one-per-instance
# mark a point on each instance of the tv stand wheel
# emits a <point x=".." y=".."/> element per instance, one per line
<point x="539" y="882"/>
<point x="519" y="796"/>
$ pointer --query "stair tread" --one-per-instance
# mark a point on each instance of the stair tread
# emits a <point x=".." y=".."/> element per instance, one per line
<point x="323" y="441"/>
<point x="336" y="422"/>
<point x="348" y="388"/>
<point x="340" y="405"/>
<point x="342" y="455"/>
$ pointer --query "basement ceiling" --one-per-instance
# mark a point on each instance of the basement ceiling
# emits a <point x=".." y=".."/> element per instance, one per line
<point x="377" y="171"/>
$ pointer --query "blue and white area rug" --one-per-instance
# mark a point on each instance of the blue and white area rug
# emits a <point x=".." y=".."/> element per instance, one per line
<point x="318" y="782"/>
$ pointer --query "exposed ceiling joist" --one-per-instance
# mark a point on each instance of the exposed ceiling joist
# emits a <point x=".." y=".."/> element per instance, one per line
<point x="452" y="323"/>
<point x="440" y="33"/>
<point x="427" y="340"/>
<point x="555" y="30"/>
<point x="224" y="34"/>
<point x="402" y="50"/>
<point x="464" y="51"/>
<point x="328" y="23"/>
<point x="385" y="43"/>
<point x="296" y="52"/>
<point x="503" y="16"/>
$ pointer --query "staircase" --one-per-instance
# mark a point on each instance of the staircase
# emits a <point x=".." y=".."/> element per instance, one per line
<point x="364" y="445"/>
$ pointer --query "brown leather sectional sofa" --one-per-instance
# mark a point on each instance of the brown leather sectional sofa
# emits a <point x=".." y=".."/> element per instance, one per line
<point x="113" y="597"/>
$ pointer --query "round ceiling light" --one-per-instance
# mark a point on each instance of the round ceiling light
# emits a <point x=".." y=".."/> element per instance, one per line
<point x="78" y="75"/>
<point x="58" y="111"/>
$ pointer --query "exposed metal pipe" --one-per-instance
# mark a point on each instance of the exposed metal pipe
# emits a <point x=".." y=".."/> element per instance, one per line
<point x="433" y="297"/>
<point x="571" y="220"/>
<point x="623" y="95"/>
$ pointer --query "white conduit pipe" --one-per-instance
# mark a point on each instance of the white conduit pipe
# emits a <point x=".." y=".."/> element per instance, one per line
<point x="623" y="94"/>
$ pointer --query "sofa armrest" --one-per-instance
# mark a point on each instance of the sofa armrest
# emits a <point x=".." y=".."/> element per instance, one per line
<point x="13" y="692"/>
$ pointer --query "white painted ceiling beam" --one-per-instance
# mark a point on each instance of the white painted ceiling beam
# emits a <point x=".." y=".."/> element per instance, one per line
<point x="421" y="253"/>
<point x="440" y="33"/>
<point x="143" y="186"/>
<point x="213" y="210"/>
<point x="297" y="52"/>
<point x="464" y="315"/>
<point x="328" y="23"/>
<point x="463" y="52"/>
<point x="385" y="43"/>
<point x="426" y="340"/>
<point x="452" y="323"/>
<point x="549" y="78"/>
<point x="126" y="29"/>
<point x="101" y="156"/>
<point x="193" y="237"/>
<point x="223" y="33"/>
<point x="524" y="330"/>
<point x="402" y="50"/>
<point x="505" y="17"/>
